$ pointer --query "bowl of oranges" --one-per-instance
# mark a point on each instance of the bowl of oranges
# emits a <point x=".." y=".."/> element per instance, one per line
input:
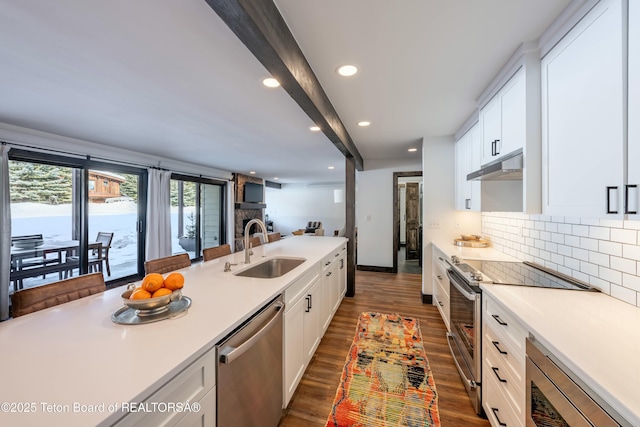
<point x="155" y="293"/>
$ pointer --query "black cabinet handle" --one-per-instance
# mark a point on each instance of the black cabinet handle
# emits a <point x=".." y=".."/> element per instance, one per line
<point x="499" y="320"/>
<point x="467" y="203"/>
<point x="495" y="344"/>
<point x="493" y="148"/>
<point x="609" y="211"/>
<point x="308" y="309"/>
<point x="310" y="301"/>
<point x="626" y="199"/>
<point x="495" y="371"/>
<point x="495" y="414"/>
<point x="497" y="151"/>
<point x="441" y="304"/>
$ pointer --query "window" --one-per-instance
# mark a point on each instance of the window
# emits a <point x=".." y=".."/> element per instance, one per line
<point x="58" y="214"/>
<point x="197" y="214"/>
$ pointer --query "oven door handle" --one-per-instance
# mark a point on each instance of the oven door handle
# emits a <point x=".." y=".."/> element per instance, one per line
<point x="472" y="384"/>
<point x="468" y="292"/>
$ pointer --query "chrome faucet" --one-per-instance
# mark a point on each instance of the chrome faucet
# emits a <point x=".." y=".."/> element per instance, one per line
<point x="247" y="249"/>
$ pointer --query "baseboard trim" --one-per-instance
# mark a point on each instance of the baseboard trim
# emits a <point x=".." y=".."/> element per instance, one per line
<point x="427" y="299"/>
<point x="374" y="268"/>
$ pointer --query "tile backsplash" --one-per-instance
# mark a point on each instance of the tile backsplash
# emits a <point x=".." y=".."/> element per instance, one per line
<point x="602" y="252"/>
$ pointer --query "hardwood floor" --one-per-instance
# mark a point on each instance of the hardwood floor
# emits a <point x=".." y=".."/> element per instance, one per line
<point x="385" y="293"/>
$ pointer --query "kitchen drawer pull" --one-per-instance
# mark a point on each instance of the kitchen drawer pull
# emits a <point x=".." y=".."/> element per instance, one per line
<point x="499" y="320"/>
<point x="308" y="309"/>
<point x="328" y="274"/>
<point x="440" y="303"/>
<point x="609" y="211"/>
<point x="439" y="277"/>
<point x="495" y="344"/>
<point x="467" y="203"/>
<point x="626" y="199"/>
<point x="495" y="371"/>
<point x="495" y="414"/>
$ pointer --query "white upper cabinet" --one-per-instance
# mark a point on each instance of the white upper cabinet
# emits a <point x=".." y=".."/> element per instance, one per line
<point x="583" y="117"/>
<point x="633" y="154"/>
<point x="503" y="120"/>
<point x="468" y="155"/>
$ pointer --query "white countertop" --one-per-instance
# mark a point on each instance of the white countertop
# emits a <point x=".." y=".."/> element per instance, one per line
<point x="484" y="254"/>
<point x="74" y="353"/>
<point x="594" y="335"/>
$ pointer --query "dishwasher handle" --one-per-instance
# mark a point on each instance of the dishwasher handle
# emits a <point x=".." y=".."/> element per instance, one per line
<point x="229" y="354"/>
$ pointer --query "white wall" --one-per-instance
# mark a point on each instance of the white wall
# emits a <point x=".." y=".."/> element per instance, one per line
<point x="292" y="206"/>
<point x="439" y="202"/>
<point x="374" y="209"/>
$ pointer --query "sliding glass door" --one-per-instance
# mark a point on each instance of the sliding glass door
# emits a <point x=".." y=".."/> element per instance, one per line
<point x="197" y="214"/>
<point x="73" y="216"/>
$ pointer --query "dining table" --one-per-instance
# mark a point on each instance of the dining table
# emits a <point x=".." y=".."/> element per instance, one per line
<point x="49" y="257"/>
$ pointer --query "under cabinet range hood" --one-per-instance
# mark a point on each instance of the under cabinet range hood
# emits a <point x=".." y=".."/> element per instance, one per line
<point x="507" y="167"/>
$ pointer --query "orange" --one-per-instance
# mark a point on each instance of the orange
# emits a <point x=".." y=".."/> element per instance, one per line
<point x="174" y="281"/>
<point x="152" y="282"/>
<point x="139" y="293"/>
<point x="161" y="292"/>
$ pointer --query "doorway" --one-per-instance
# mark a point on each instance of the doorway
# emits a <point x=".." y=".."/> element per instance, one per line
<point x="407" y="222"/>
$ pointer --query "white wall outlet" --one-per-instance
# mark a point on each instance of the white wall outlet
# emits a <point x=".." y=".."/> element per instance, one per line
<point x="367" y="217"/>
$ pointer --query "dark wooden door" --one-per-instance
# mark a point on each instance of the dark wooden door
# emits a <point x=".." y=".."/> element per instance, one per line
<point x="412" y="211"/>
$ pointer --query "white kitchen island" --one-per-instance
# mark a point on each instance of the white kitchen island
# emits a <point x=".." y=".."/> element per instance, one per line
<point x="71" y="365"/>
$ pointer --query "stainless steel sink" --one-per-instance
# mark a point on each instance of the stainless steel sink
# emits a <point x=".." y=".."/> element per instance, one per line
<point x="274" y="267"/>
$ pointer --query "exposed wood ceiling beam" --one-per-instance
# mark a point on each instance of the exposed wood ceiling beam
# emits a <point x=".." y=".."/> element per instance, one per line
<point x="259" y="25"/>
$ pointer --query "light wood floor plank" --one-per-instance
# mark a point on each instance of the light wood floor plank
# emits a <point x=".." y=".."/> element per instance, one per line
<point x="385" y="293"/>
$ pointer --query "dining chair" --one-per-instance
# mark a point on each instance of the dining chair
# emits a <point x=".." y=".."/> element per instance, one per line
<point x="216" y="252"/>
<point x="274" y="237"/>
<point x="95" y="260"/>
<point x="167" y="264"/>
<point x="255" y="241"/>
<point x="30" y="300"/>
<point x="106" y="239"/>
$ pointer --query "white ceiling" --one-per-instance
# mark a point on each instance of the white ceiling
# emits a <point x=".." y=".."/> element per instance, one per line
<point x="168" y="77"/>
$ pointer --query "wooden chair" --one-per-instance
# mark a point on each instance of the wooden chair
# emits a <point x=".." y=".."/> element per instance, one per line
<point x="95" y="260"/>
<point x="167" y="264"/>
<point x="216" y="252"/>
<point x="274" y="237"/>
<point x="30" y="300"/>
<point x="255" y="241"/>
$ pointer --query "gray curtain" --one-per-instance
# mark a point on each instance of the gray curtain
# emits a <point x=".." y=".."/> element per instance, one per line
<point x="5" y="232"/>
<point x="158" y="214"/>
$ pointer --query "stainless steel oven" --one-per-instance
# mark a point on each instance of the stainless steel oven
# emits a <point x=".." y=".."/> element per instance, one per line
<point x="465" y="336"/>
<point x="557" y="398"/>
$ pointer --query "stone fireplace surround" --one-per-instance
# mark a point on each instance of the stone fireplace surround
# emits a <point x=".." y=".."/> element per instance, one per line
<point x="242" y="213"/>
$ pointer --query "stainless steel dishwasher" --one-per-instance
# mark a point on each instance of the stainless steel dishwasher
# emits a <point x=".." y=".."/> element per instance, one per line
<point x="249" y="366"/>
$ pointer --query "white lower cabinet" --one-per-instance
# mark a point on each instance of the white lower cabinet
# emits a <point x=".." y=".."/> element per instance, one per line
<point x="196" y="383"/>
<point x="503" y="366"/>
<point x="440" y="282"/>
<point x="311" y="321"/>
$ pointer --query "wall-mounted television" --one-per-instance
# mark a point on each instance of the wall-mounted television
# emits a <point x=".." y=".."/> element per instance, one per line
<point x="253" y="193"/>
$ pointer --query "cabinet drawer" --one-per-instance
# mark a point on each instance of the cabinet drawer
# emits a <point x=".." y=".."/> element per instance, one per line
<point x="296" y="290"/>
<point x="330" y="258"/>
<point x="510" y="382"/>
<point x="191" y="385"/>
<point x="496" y="405"/>
<point x="504" y="355"/>
<point x="505" y="326"/>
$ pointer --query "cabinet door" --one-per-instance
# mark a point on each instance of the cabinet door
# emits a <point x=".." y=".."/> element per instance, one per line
<point x="490" y="129"/>
<point x="342" y="278"/>
<point x="513" y="115"/>
<point x="294" y="353"/>
<point x="311" y="321"/>
<point x="475" y="143"/>
<point x="633" y="153"/>
<point x="206" y="416"/>
<point x="582" y="117"/>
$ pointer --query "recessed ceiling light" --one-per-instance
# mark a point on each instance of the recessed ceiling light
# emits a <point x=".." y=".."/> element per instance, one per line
<point x="252" y="172"/>
<point x="411" y="150"/>
<point x="347" y="70"/>
<point x="314" y="128"/>
<point x="270" y="82"/>
<point x="276" y="178"/>
<point x="331" y="167"/>
<point x="363" y="124"/>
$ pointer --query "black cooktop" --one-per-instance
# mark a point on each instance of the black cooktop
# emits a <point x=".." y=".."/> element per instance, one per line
<point x="522" y="273"/>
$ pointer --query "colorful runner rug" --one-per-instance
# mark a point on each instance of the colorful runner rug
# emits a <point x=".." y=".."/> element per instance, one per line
<point x="386" y="379"/>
